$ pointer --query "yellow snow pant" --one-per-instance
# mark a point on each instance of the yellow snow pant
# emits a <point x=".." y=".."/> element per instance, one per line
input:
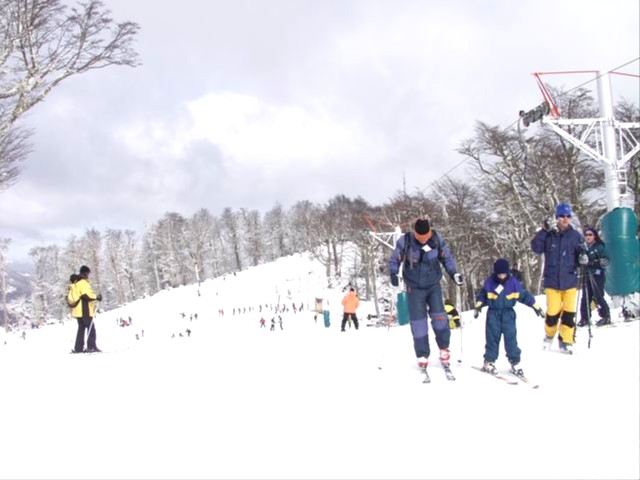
<point x="561" y="307"/>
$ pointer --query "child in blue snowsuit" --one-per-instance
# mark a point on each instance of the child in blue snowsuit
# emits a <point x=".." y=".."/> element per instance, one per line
<point x="500" y="292"/>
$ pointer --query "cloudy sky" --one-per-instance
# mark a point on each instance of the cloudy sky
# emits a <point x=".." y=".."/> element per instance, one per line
<point x="248" y="103"/>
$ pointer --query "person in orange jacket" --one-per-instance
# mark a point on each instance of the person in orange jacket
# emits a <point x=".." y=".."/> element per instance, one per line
<point x="351" y="303"/>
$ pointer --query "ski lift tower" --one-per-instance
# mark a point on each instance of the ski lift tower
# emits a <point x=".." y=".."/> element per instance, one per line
<point x="606" y="140"/>
<point x="388" y="239"/>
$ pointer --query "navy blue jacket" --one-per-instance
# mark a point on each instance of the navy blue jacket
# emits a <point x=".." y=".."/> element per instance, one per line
<point x="422" y="268"/>
<point x="512" y="292"/>
<point x="561" y="250"/>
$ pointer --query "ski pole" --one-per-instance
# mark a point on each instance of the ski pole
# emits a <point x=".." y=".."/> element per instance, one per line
<point x="587" y="301"/>
<point x="386" y="342"/>
<point x="460" y="359"/>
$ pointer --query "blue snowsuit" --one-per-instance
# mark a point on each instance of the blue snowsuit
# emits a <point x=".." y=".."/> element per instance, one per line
<point x="422" y="274"/>
<point x="501" y="316"/>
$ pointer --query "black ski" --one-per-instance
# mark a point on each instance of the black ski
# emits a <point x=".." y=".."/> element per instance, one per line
<point x="496" y="375"/>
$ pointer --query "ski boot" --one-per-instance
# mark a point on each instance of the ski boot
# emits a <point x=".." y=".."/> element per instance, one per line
<point x="546" y="343"/>
<point x="490" y="368"/>
<point x="516" y="370"/>
<point x="583" y="322"/>
<point x="423" y="362"/>
<point x="603" y="321"/>
<point x="445" y="356"/>
<point x="565" y="347"/>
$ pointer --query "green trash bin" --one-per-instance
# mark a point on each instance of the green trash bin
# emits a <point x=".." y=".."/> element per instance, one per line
<point x="619" y="229"/>
<point x="327" y="322"/>
<point x="402" y="308"/>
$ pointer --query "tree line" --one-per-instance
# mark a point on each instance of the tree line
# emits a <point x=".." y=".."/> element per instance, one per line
<point x="512" y="184"/>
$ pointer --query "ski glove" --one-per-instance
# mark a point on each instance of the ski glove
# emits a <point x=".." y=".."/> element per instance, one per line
<point x="538" y="309"/>
<point x="458" y="278"/>
<point x="549" y="226"/>
<point x="604" y="262"/>
<point x="394" y="280"/>
<point x="583" y="259"/>
<point x="99" y="297"/>
<point x="478" y="307"/>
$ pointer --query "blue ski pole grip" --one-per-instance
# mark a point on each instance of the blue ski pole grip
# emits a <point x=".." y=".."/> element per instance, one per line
<point x="402" y="307"/>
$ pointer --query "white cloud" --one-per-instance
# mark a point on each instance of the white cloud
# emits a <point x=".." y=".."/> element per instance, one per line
<point x="255" y="133"/>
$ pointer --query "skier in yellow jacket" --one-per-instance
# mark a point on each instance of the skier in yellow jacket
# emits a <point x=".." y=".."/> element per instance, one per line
<point x="84" y="311"/>
<point x="351" y="303"/>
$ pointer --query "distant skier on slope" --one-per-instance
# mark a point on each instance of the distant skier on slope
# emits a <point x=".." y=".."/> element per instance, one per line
<point x="350" y="303"/>
<point x="84" y="312"/>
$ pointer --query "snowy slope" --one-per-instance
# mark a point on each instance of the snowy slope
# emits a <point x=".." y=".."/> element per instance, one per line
<point x="237" y="401"/>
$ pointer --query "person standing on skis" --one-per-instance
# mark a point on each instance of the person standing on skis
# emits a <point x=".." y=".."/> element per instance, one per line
<point x="562" y="248"/>
<point x="421" y="253"/>
<point x="500" y="292"/>
<point x="84" y="311"/>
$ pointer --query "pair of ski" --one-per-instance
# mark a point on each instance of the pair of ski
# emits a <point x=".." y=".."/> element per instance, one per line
<point x="511" y="379"/>
<point x="447" y="372"/>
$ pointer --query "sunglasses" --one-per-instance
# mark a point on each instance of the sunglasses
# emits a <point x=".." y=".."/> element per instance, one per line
<point x="588" y="234"/>
<point x="564" y="216"/>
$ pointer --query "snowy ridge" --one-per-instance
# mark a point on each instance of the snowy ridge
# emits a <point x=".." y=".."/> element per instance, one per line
<point x="234" y="400"/>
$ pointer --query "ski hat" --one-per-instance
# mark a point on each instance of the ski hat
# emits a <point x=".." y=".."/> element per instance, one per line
<point x="84" y="270"/>
<point x="422" y="226"/>
<point x="501" y="266"/>
<point x="593" y="230"/>
<point x="563" y="209"/>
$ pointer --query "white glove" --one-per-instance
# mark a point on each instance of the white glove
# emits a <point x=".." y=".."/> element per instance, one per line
<point x="458" y="278"/>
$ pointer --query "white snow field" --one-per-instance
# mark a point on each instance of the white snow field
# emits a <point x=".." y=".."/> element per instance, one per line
<point x="234" y="400"/>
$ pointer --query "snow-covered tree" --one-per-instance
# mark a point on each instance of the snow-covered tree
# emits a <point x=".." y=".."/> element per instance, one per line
<point x="4" y="248"/>
<point x="42" y="43"/>
<point x="231" y="235"/>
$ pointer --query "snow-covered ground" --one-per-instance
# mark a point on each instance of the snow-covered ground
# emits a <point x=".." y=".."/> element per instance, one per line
<point x="234" y="400"/>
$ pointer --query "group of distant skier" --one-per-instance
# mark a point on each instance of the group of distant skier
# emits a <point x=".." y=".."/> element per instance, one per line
<point x="422" y="252"/>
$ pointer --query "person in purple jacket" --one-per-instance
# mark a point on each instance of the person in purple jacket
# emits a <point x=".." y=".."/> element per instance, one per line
<point x="500" y="292"/>
<point x="562" y="247"/>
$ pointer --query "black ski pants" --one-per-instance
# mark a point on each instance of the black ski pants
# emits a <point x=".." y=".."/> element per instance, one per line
<point x="593" y="291"/>
<point x="83" y="325"/>
<point x="345" y="318"/>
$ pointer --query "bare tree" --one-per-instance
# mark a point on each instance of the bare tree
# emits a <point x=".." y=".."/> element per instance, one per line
<point x="42" y="43"/>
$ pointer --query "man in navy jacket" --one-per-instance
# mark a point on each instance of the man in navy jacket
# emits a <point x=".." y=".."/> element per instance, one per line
<point x="563" y="250"/>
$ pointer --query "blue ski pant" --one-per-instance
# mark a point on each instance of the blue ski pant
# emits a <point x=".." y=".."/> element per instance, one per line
<point x="424" y="303"/>
<point x="501" y="322"/>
